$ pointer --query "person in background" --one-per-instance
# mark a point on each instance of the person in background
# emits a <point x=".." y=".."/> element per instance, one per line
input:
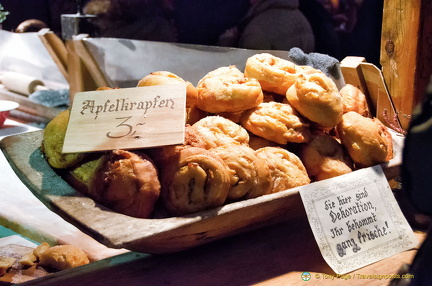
<point x="131" y="19"/>
<point x="201" y="22"/>
<point x="275" y="25"/>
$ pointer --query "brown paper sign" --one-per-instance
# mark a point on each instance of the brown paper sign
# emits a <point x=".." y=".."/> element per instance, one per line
<point x="127" y="118"/>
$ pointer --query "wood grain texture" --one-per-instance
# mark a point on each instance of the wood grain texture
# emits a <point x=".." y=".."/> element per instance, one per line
<point x="406" y="53"/>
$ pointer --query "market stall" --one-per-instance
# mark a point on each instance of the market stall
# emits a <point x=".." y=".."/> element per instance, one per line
<point x="343" y="229"/>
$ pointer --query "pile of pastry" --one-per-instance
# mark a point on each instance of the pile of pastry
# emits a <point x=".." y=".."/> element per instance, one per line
<point x="272" y="127"/>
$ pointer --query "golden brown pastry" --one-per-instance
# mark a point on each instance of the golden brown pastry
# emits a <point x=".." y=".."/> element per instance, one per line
<point x="317" y="98"/>
<point x="249" y="174"/>
<point x="231" y="92"/>
<point x="367" y="140"/>
<point x="166" y="77"/>
<point x="277" y="122"/>
<point x="256" y="142"/>
<point x="126" y="182"/>
<point x="273" y="73"/>
<point x="219" y="131"/>
<point x="324" y="157"/>
<point x="52" y="143"/>
<point x="353" y="99"/>
<point x="286" y="169"/>
<point x="193" y="114"/>
<point x="193" y="180"/>
<point x="62" y="257"/>
<point x="161" y="154"/>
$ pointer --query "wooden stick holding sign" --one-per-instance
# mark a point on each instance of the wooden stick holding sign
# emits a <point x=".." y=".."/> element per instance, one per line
<point x="129" y="118"/>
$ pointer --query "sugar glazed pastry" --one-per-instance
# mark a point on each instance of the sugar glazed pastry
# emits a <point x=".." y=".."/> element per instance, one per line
<point x="317" y="98"/>
<point x="273" y="73"/>
<point x="249" y="174"/>
<point x="286" y="169"/>
<point x="353" y="99"/>
<point x="367" y="140"/>
<point x="166" y="77"/>
<point x="124" y="181"/>
<point x="324" y="157"/>
<point x="219" y="131"/>
<point x="193" y="180"/>
<point x="227" y="89"/>
<point x="277" y="122"/>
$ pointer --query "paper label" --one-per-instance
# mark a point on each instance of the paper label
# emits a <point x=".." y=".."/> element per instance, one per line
<point x="356" y="220"/>
<point x="126" y="118"/>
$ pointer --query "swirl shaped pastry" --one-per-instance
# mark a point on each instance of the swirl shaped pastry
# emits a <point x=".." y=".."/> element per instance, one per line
<point x="277" y="122"/>
<point x="126" y="182"/>
<point x="317" y="98"/>
<point x="286" y="169"/>
<point x="367" y="139"/>
<point x="52" y="143"/>
<point x="324" y="157"/>
<point x="166" y="77"/>
<point x="195" y="179"/>
<point x="273" y="73"/>
<point x="230" y="92"/>
<point x="219" y="131"/>
<point x="249" y="174"/>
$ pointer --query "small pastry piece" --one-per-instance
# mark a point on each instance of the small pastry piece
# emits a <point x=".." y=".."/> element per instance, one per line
<point x="286" y="169"/>
<point x="277" y="122"/>
<point x="127" y="182"/>
<point x="231" y="92"/>
<point x="5" y="264"/>
<point x="324" y="157"/>
<point x="317" y="98"/>
<point x="62" y="257"/>
<point x="41" y="248"/>
<point x="166" y="77"/>
<point x="219" y="131"/>
<point x="249" y="174"/>
<point x="367" y="140"/>
<point x="193" y="180"/>
<point x="52" y="143"/>
<point x="353" y="99"/>
<point x="273" y="73"/>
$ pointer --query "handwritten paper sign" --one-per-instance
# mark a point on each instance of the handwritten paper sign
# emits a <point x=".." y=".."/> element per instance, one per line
<point x="356" y="220"/>
<point x="126" y="118"/>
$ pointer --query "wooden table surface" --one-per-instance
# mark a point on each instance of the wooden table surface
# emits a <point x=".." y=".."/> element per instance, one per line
<point x="274" y="255"/>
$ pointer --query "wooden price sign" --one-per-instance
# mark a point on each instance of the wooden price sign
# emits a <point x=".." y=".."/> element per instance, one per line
<point x="126" y="118"/>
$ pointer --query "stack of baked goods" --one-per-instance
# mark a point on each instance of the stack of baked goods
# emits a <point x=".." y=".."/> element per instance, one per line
<point x="272" y="127"/>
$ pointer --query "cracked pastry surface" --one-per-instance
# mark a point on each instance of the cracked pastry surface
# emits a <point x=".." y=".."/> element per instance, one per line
<point x="277" y="122"/>
<point x="317" y="98"/>
<point x="367" y="139"/>
<point x="324" y="157"/>
<point x="219" y="131"/>
<point x="195" y="179"/>
<point x="249" y="174"/>
<point x="286" y="169"/>
<point x="353" y="99"/>
<point x="228" y="92"/>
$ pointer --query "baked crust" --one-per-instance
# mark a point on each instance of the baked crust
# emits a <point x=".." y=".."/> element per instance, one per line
<point x="324" y="157"/>
<point x="353" y="99"/>
<point x="286" y="169"/>
<point x="277" y="122"/>
<point x="230" y="92"/>
<point x="219" y="131"/>
<point x="249" y="174"/>
<point x="317" y="98"/>
<point x="367" y="140"/>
